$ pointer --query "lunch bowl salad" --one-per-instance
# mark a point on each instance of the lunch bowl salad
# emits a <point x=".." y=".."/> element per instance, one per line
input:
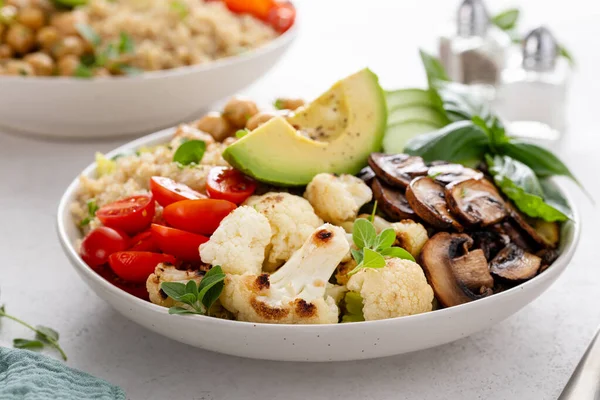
<point x="288" y="234"/>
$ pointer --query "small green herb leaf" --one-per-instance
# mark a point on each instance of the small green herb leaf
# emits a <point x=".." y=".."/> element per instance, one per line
<point x="28" y="344"/>
<point x="83" y="72"/>
<point x="433" y="68"/>
<point x="211" y="286"/>
<point x="192" y="288"/>
<point x="46" y="334"/>
<point x="180" y="8"/>
<point x="357" y="255"/>
<point x="125" y="45"/>
<point x="566" y="54"/>
<point x="397" y="252"/>
<point x="372" y="259"/>
<point x="175" y="290"/>
<point x="181" y="311"/>
<point x="363" y="233"/>
<point x="506" y="20"/>
<point x="89" y="34"/>
<point x="190" y="152"/>
<point x="278" y="104"/>
<point x="385" y="239"/>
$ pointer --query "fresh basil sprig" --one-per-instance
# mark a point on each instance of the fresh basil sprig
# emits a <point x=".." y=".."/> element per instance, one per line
<point x="372" y="248"/>
<point x="43" y="336"/>
<point x="197" y="299"/>
<point x="190" y="152"/>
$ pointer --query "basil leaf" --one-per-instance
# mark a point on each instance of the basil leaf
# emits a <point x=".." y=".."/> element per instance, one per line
<point x="211" y="286"/>
<point x="459" y="103"/>
<point x="89" y="34"/>
<point x="363" y="233"/>
<point x="46" y="334"/>
<point x="506" y="20"/>
<point x="27" y="344"/>
<point x="521" y="185"/>
<point x="397" y="252"/>
<point x="460" y="142"/>
<point x="385" y="239"/>
<point x="541" y="161"/>
<point x="357" y="255"/>
<point x="190" y="152"/>
<point x="180" y="311"/>
<point x="175" y="290"/>
<point x="433" y="68"/>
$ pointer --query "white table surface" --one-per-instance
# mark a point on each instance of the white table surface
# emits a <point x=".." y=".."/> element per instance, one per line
<point x="528" y="356"/>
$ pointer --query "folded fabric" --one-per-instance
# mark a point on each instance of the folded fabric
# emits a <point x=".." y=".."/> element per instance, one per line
<point x="25" y="375"/>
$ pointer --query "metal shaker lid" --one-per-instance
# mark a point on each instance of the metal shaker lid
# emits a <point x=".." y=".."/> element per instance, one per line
<point x="540" y="50"/>
<point x="472" y="18"/>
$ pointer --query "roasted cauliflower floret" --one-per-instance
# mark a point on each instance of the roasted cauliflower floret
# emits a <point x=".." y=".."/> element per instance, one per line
<point x="292" y="220"/>
<point x="337" y="199"/>
<point x="410" y="235"/>
<point x="238" y="245"/>
<point x="398" y="289"/>
<point x="296" y="293"/>
<point x="168" y="273"/>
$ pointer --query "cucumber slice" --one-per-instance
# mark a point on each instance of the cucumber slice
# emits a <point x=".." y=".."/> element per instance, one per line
<point x="409" y="97"/>
<point x="398" y="135"/>
<point x="418" y="113"/>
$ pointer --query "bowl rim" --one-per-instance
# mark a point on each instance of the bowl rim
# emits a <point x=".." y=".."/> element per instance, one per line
<point x="282" y="40"/>
<point x="63" y="214"/>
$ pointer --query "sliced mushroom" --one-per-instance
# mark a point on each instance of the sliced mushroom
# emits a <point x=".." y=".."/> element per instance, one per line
<point x="427" y="199"/>
<point x="514" y="234"/>
<point x="548" y="257"/>
<point x="546" y="234"/>
<point x="391" y="201"/>
<point x="367" y="175"/>
<point x="476" y="201"/>
<point x="448" y="173"/>
<point x="490" y="242"/>
<point x="398" y="169"/>
<point x="452" y="271"/>
<point x="515" y="264"/>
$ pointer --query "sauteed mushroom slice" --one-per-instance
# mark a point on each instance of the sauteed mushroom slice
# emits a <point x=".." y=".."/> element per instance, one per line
<point x="514" y="234"/>
<point x="427" y="199"/>
<point x="490" y="242"/>
<point x="448" y="173"/>
<point x="397" y="169"/>
<point x="367" y="175"/>
<point x="456" y="275"/>
<point x="476" y="201"/>
<point x="515" y="264"/>
<point x="546" y="234"/>
<point x="392" y="201"/>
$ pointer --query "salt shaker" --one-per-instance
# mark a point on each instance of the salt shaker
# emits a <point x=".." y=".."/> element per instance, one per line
<point x="532" y="95"/>
<point x="474" y="51"/>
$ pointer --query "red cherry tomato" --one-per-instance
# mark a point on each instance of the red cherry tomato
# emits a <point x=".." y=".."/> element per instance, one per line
<point x="258" y="8"/>
<point x="135" y="289"/>
<point x="229" y="184"/>
<point x="198" y="216"/>
<point x="144" y="242"/>
<point x="282" y="17"/>
<point x="167" y="191"/>
<point x="183" y="245"/>
<point x="136" y="266"/>
<point x="101" y="243"/>
<point x="131" y="215"/>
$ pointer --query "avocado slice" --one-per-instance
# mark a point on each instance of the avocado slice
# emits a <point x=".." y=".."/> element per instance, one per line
<point x="398" y="135"/>
<point x="410" y="97"/>
<point x="335" y="133"/>
<point x="420" y="113"/>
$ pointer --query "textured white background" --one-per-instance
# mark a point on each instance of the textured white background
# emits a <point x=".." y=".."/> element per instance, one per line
<point x="529" y="356"/>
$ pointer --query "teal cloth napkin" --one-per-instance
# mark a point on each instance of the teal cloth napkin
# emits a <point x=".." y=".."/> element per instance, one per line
<point x="25" y="375"/>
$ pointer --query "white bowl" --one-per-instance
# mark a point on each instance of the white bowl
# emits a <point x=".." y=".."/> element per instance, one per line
<point x="67" y="107"/>
<point x="339" y="342"/>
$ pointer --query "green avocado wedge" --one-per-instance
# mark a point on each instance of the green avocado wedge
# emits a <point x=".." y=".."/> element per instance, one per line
<point x="334" y="134"/>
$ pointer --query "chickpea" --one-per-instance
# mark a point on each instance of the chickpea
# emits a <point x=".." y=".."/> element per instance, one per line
<point x="18" y="67"/>
<point x="288" y="104"/>
<point x="44" y="5"/>
<point x="238" y="111"/>
<point x="71" y="45"/>
<point x="66" y="22"/>
<point x="31" y="17"/>
<point x="259" y="119"/>
<point x="20" y="38"/>
<point x="6" y="52"/>
<point x="42" y="63"/>
<point x="214" y="124"/>
<point x="8" y="14"/>
<point x="67" y="65"/>
<point x="48" y="36"/>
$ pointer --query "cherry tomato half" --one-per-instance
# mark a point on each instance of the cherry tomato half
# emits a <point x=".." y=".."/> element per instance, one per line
<point x="135" y="289"/>
<point x="229" y="184"/>
<point x="183" y="245"/>
<point x="282" y="17"/>
<point x="101" y="243"/>
<point x="131" y="215"/>
<point x="198" y="216"/>
<point x="258" y="8"/>
<point x="136" y="266"/>
<point x="166" y="191"/>
<point x="144" y="242"/>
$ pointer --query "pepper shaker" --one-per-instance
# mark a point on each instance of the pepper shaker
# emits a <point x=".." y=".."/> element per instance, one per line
<point x="474" y="51"/>
<point x="532" y="95"/>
